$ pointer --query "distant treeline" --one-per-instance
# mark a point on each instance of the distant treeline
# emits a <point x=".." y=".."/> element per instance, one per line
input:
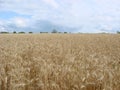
<point x="22" y="32"/>
<point x="4" y="32"/>
<point x="11" y="32"/>
<point x="118" y="32"/>
<point x="54" y="31"/>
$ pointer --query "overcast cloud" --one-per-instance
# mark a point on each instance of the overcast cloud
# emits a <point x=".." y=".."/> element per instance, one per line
<point x="82" y="15"/>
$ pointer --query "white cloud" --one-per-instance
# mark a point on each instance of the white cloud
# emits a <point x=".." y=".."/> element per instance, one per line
<point x="20" y="22"/>
<point x="53" y="3"/>
<point x="2" y="29"/>
<point x="1" y="22"/>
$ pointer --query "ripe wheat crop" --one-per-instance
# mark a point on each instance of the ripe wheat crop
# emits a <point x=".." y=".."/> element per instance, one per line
<point x="60" y="62"/>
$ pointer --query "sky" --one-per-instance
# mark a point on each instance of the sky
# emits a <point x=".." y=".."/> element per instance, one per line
<point x="86" y="16"/>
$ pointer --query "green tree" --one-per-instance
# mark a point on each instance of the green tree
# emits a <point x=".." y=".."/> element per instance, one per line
<point x="65" y="32"/>
<point x="54" y="31"/>
<point x="21" y="32"/>
<point x="118" y="32"/>
<point x="30" y="32"/>
<point x="14" y="32"/>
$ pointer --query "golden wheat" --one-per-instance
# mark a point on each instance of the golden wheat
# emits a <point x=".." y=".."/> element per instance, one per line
<point x="60" y="62"/>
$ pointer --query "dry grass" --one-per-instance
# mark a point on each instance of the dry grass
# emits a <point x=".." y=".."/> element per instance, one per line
<point x="60" y="62"/>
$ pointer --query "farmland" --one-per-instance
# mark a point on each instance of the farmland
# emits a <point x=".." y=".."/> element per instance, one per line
<point x="59" y="62"/>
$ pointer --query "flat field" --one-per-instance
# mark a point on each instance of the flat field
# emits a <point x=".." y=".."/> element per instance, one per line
<point x="59" y="62"/>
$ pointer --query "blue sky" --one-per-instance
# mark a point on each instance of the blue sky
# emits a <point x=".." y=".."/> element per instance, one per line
<point x="91" y="16"/>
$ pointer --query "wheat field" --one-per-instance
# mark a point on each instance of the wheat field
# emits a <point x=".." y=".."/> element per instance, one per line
<point x="59" y="62"/>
